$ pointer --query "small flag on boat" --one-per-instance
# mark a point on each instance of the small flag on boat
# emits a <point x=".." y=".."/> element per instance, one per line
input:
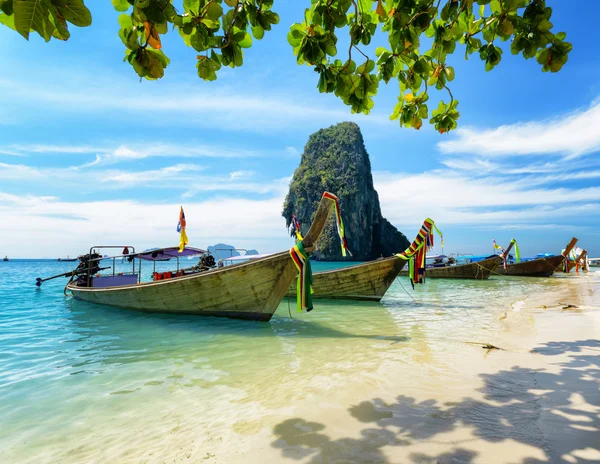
<point x="296" y="225"/>
<point x="496" y="246"/>
<point x="183" y="239"/>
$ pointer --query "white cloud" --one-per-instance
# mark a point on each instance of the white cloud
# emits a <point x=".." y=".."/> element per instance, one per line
<point x="185" y="178"/>
<point x="34" y="226"/>
<point x="131" y="152"/>
<point x="573" y="135"/>
<point x="292" y="151"/>
<point x="178" y="172"/>
<point x="223" y="184"/>
<point x="240" y="174"/>
<point x="176" y="103"/>
<point x="453" y="198"/>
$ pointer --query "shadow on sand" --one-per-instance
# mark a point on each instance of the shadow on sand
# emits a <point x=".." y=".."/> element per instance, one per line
<point x="529" y="406"/>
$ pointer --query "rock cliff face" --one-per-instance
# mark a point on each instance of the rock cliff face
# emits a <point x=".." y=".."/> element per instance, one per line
<point x="335" y="159"/>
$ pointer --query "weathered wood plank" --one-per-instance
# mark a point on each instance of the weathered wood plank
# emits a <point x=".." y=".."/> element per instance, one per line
<point x="541" y="267"/>
<point x="367" y="281"/>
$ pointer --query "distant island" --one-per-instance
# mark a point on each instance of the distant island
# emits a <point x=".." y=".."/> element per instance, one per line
<point x="335" y="159"/>
<point x="224" y="251"/>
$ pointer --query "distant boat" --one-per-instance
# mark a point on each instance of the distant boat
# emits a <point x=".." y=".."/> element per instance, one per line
<point x="5" y="258"/>
<point x="68" y="259"/>
<point x="477" y="270"/>
<point x="543" y="266"/>
<point x="577" y="258"/>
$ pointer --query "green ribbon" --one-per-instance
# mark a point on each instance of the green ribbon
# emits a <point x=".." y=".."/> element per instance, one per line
<point x="517" y="253"/>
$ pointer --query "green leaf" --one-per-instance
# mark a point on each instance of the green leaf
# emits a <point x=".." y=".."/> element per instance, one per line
<point x="192" y="5"/>
<point x="8" y="21"/>
<point x="214" y="11"/>
<point x="258" y="32"/>
<point x="31" y="14"/>
<point x="75" y="12"/>
<point x="246" y="41"/>
<point x="6" y="6"/>
<point x="125" y="21"/>
<point x="207" y="68"/>
<point x="61" y="30"/>
<point x="155" y="68"/>
<point x="121" y="5"/>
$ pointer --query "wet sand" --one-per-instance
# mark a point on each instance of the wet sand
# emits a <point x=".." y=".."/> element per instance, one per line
<point x="537" y="400"/>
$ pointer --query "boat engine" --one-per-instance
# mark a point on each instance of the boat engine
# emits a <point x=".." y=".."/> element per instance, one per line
<point x="206" y="262"/>
<point x="88" y="266"/>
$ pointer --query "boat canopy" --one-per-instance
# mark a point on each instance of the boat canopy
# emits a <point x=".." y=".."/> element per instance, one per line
<point x="161" y="254"/>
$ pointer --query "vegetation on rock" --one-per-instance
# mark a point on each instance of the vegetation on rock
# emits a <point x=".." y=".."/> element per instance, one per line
<point x="335" y="160"/>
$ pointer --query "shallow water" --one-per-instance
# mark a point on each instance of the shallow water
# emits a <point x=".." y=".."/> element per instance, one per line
<point x="81" y="382"/>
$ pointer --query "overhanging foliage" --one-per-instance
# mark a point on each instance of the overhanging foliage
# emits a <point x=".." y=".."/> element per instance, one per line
<point x="220" y="29"/>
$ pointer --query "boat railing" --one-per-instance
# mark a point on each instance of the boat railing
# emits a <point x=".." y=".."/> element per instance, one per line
<point x="96" y="248"/>
<point x="133" y="255"/>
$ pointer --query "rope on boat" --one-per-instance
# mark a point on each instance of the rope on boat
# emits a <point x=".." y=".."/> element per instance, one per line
<point x="502" y="275"/>
<point x="413" y="298"/>
<point x="70" y="280"/>
<point x="486" y="269"/>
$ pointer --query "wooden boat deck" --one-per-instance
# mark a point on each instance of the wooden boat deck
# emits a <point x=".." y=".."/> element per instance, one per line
<point x="366" y="281"/>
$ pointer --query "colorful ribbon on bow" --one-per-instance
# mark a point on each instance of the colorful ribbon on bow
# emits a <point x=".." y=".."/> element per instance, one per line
<point x="339" y="223"/>
<point x="304" y="288"/>
<point x="416" y="253"/>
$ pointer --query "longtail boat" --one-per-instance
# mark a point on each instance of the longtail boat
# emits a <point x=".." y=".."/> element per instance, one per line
<point x="251" y="290"/>
<point x="442" y="267"/>
<point x="539" y="267"/>
<point x="479" y="270"/>
<point x="582" y="262"/>
<point x="575" y="259"/>
<point x="366" y="281"/>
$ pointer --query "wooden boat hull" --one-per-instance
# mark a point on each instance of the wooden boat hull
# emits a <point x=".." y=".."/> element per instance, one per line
<point x="251" y="290"/>
<point x="541" y="267"/>
<point x="480" y="270"/>
<point x="368" y="281"/>
<point x="245" y="291"/>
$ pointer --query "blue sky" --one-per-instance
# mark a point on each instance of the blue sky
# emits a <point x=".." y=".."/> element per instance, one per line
<point x="90" y="155"/>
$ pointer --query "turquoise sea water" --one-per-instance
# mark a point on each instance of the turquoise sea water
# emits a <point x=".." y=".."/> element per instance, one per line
<point x="81" y="382"/>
